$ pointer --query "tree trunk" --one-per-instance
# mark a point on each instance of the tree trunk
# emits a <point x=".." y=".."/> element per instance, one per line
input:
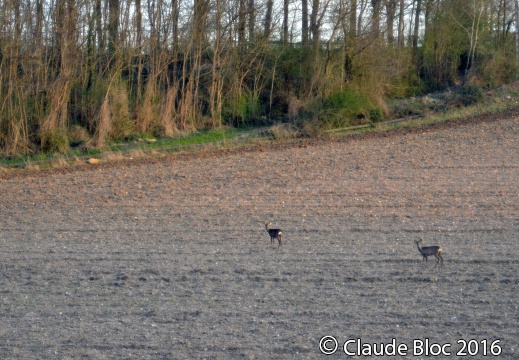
<point x="252" y="21"/>
<point x="375" y="19"/>
<point x="241" y="25"/>
<point x="517" y="30"/>
<point x="285" y="21"/>
<point x="353" y="19"/>
<point x="360" y="18"/>
<point x="113" y="27"/>
<point x="268" y="21"/>
<point x="314" y="26"/>
<point x="175" y="5"/>
<point x="39" y="23"/>
<point x="390" y="16"/>
<point x="100" y="38"/>
<point x="215" y="90"/>
<point x="428" y="11"/>
<point x="138" y="24"/>
<point x="140" y="65"/>
<point x="417" y="25"/>
<point x="401" y="36"/>
<point x="304" y="22"/>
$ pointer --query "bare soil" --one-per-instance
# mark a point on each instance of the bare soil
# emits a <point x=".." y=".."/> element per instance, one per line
<point x="169" y="258"/>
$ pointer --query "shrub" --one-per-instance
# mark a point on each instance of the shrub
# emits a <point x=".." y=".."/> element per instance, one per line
<point x="497" y="68"/>
<point x="55" y="141"/>
<point x="347" y="108"/>
<point x="242" y="109"/>
<point x="284" y="131"/>
<point x="468" y="95"/>
<point x="78" y="135"/>
<point x="376" y="114"/>
<point x="348" y="99"/>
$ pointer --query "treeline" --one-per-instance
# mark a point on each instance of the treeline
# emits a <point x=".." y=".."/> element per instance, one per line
<point x="83" y="72"/>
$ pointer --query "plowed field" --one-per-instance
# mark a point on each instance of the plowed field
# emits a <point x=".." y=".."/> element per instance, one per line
<point x="169" y="258"/>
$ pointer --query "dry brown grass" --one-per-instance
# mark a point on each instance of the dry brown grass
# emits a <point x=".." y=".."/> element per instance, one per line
<point x="30" y="166"/>
<point x="137" y="154"/>
<point x="114" y="156"/>
<point x="295" y="107"/>
<point x="148" y="109"/>
<point x="104" y="124"/>
<point x="59" y="163"/>
<point x="169" y="112"/>
<point x="284" y="131"/>
<point x="78" y="134"/>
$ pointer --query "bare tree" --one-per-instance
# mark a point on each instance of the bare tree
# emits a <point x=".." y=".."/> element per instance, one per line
<point x="401" y="36"/>
<point x="100" y="39"/>
<point x="417" y="24"/>
<point x="390" y="16"/>
<point x="304" y="22"/>
<point x="54" y="125"/>
<point x="353" y="19"/>
<point x="516" y="3"/>
<point x="285" y="21"/>
<point x="473" y="33"/>
<point x="268" y="21"/>
<point x="314" y="22"/>
<point x="113" y="27"/>
<point x="375" y="17"/>
<point x="252" y="21"/>
<point x="241" y="24"/>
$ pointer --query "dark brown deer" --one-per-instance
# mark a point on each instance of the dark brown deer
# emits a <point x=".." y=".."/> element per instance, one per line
<point x="430" y="250"/>
<point x="274" y="233"/>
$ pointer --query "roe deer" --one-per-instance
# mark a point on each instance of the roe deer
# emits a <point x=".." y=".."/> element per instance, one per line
<point x="430" y="250"/>
<point x="274" y="233"/>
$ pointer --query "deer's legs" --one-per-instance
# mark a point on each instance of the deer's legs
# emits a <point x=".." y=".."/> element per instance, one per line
<point x="439" y="259"/>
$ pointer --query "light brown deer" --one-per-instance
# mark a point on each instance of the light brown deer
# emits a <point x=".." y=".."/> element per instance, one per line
<point x="274" y="233"/>
<point x="430" y="250"/>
